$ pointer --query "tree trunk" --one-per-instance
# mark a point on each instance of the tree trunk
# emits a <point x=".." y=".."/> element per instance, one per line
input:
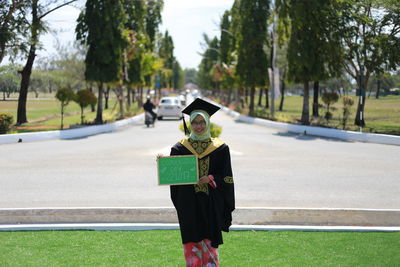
<point x="128" y="98"/>
<point x="360" y="112"/>
<point x="27" y="70"/>
<point x="282" y="95"/>
<point x="378" y="89"/>
<point x="121" y="101"/>
<point x="315" y="99"/>
<point x="93" y="107"/>
<point x="362" y="83"/>
<point x="99" y="115"/>
<point x="266" y="98"/>
<point x="260" y="94"/>
<point x="62" y="115"/>
<point x="252" y="93"/>
<point x="82" y="115"/>
<point x="305" y="117"/>
<point x="106" y="97"/>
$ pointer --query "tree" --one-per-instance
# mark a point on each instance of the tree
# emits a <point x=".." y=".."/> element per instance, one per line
<point x="8" y="80"/>
<point x="100" y="27"/>
<point x="210" y="58"/>
<point x="370" y="32"/>
<point x="178" y="76"/>
<point x="38" y="12"/>
<point x="329" y="98"/>
<point x="85" y="98"/>
<point x="64" y="95"/>
<point x="252" y="61"/>
<point x="190" y="75"/>
<point x="313" y="33"/>
<point x="12" y="24"/>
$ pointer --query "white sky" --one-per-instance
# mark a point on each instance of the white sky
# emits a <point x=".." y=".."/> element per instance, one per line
<point x="185" y="20"/>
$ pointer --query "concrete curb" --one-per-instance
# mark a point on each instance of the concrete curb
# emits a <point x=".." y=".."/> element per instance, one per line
<point x="241" y="216"/>
<point x="175" y="226"/>
<point x="69" y="134"/>
<point x="315" y="131"/>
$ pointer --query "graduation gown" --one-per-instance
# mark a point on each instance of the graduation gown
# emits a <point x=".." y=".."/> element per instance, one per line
<point x="204" y="211"/>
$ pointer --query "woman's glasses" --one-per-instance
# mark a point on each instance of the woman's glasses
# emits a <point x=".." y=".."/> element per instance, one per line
<point x="198" y="123"/>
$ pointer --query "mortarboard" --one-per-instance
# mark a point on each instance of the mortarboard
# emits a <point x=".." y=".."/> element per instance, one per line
<point x="198" y="104"/>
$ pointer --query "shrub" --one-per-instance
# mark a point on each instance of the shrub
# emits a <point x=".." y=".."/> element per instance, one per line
<point x="6" y="120"/>
<point x="329" y="99"/>
<point x="85" y="98"/>
<point x="347" y="103"/>
<point x="215" y="129"/>
<point x="64" y="95"/>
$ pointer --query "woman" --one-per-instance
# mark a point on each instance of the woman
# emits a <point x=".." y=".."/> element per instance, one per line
<point x="204" y="209"/>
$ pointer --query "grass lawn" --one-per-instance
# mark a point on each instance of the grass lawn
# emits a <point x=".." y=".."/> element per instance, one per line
<point x="381" y="115"/>
<point x="45" y="114"/>
<point x="163" y="248"/>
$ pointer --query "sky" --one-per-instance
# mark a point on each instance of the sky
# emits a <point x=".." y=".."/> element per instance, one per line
<point x="185" y="20"/>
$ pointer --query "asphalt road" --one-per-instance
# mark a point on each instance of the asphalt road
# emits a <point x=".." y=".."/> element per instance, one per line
<point x="271" y="169"/>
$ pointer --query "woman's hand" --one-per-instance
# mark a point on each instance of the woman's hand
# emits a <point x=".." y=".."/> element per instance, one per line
<point x="159" y="156"/>
<point x="204" y="180"/>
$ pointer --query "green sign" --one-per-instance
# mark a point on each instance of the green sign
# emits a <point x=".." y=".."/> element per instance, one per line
<point x="176" y="170"/>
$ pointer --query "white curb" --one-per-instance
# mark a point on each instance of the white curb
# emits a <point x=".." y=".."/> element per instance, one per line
<point x="70" y="133"/>
<point x="175" y="226"/>
<point x="316" y="131"/>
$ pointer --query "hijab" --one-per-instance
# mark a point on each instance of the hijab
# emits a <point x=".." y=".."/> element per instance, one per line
<point x="206" y="134"/>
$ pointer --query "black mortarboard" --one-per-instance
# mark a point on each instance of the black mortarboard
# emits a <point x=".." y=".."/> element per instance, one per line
<point x="198" y="104"/>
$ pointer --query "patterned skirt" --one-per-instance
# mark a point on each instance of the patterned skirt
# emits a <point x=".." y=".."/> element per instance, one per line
<point x="200" y="254"/>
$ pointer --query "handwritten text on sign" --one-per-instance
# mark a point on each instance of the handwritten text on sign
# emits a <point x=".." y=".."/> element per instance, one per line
<point x="177" y="170"/>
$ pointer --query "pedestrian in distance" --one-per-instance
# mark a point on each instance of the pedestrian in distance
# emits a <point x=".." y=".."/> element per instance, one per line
<point x="204" y="209"/>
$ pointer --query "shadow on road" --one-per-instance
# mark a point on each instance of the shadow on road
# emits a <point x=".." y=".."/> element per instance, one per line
<point x="305" y="137"/>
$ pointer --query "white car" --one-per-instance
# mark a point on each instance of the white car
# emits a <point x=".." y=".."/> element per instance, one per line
<point x="169" y="107"/>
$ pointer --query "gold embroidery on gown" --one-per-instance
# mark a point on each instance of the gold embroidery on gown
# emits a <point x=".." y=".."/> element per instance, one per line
<point x="204" y="163"/>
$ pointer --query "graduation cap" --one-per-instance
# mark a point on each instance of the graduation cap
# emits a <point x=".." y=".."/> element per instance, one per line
<point x="198" y="104"/>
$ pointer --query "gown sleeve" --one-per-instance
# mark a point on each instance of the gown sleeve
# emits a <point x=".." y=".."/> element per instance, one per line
<point x="225" y="185"/>
<point x="174" y="188"/>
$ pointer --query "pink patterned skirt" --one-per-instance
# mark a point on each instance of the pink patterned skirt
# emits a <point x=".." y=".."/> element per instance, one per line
<point x="200" y="254"/>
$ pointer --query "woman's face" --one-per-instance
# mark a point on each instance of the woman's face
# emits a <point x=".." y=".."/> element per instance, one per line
<point x="198" y="125"/>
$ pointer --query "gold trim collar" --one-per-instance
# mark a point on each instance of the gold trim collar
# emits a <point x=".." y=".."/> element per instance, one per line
<point x="215" y="143"/>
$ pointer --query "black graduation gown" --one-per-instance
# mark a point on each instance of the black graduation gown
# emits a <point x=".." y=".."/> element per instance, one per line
<point x="203" y="211"/>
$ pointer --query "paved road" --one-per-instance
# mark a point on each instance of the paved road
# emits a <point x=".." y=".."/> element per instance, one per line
<point x="271" y="169"/>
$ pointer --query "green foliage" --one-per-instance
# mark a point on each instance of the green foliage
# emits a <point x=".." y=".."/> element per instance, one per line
<point x="85" y="98"/>
<point x="215" y="130"/>
<point x="210" y="58"/>
<point x="190" y="75"/>
<point x="64" y="95"/>
<point x="347" y="103"/>
<point x="329" y="98"/>
<point x="252" y="61"/>
<point x="8" y="83"/>
<point x="6" y="120"/>
<point x="314" y="32"/>
<point x="100" y="27"/>
<point x="178" y="76"/>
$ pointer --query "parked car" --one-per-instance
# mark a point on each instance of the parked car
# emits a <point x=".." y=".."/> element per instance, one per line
<point x="169" y="107"/>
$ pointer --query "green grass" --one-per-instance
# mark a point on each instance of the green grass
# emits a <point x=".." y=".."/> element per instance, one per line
<point x="45" y="114"/>
<point x="163" y="248"/>
<point x="381" y="115"/>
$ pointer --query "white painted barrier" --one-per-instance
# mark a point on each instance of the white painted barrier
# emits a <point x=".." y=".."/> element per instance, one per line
<point x="70" y="133"/>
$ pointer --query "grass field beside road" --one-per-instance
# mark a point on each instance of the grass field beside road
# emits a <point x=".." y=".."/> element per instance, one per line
<point x="44" y="114"/>
<point x="381" y="115"/>
<point x="163" y="248"/>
